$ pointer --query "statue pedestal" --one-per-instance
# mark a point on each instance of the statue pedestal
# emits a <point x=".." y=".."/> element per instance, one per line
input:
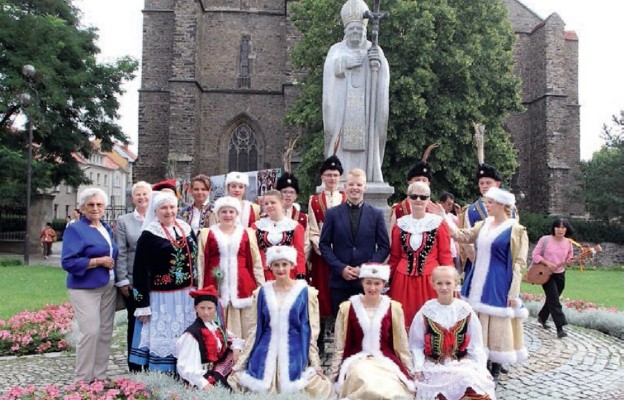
<point x="377" y="194"/>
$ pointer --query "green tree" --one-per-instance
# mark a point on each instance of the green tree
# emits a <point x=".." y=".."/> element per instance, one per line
<point x="451" y="64"/>
<point x="76" y="97"/>
<point x="603" y="176"/>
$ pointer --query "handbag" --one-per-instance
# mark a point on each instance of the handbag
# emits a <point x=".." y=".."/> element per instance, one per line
<point x="120" y="301"/>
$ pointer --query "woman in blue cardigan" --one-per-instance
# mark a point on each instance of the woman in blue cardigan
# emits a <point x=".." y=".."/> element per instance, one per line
<point x="89" y="253"/>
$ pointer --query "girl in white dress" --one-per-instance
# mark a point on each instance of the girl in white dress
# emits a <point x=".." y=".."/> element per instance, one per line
<point x="445" y="339"/>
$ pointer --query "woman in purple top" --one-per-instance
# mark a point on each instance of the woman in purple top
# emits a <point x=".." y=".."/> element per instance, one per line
<point x="556" y="252"/>
<point x="88" y="256"/>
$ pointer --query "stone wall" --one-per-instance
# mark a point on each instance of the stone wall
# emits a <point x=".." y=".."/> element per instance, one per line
<point x="547" y="134"/>
<point x="192" y="99"/>
<point x="154" y="96"/>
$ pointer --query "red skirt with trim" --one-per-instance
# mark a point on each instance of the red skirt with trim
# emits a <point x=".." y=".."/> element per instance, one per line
<point x="412" y="292"/>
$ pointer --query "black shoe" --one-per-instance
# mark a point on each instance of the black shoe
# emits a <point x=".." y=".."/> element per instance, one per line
<point x="504" y="369"/>
<point x="561" y="334"/>
<point x="496" y="371"/>
<point x="543" y="323"/>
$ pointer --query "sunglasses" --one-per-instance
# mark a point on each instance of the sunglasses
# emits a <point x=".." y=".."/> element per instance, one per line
<point x="418" y="196"/>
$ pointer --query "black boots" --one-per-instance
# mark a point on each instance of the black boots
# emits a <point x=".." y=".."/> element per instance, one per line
<point x="561" y="333"/>
<point x="496" y="371"/>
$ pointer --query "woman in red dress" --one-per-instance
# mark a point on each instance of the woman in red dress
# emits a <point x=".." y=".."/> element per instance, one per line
<point x="420" y="242"/>
<point x="278" y="230"/>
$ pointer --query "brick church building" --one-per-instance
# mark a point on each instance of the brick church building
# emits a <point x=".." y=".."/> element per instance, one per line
<point x="217" y="81"/>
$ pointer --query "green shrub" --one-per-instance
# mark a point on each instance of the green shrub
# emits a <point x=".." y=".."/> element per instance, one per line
<point x="537" y="225"/>
<point x="10" y="262"/>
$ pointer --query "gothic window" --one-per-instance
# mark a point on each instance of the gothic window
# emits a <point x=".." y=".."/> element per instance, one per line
<point x="243" y="80"/>
<point x="243" y="149"/>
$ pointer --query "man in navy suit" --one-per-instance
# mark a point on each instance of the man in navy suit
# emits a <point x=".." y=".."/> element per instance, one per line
<point x="354" y="233"/>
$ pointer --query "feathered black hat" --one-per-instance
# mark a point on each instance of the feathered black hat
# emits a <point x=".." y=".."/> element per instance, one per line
<point x="422" y="167"/>
<point x="331" y="163"/>
<point x="287" y="180"/>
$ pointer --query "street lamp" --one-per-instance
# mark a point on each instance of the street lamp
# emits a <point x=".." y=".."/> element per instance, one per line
<point x="25" y="101"/>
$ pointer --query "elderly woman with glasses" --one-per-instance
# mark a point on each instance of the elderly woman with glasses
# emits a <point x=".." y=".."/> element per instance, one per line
<point x="420" y="242"/>
<point x="88" y="256"/>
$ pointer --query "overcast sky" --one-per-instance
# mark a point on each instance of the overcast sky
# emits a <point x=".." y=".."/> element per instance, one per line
<point x="598" y="24"/>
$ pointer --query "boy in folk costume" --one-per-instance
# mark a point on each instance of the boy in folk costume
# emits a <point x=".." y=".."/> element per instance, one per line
<point x="236" y="184"/>
<point x="288" y="185"/>
<point x="487" y="177"/>
<point x="207" y="350"/>
<point x="331" y="170"/>
<point x="420" y="172"/>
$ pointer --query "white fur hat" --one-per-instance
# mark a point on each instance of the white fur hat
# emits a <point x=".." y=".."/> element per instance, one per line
<point x="227" y="201"/>
<point x="237" y="177"/>
<point x="287" y="253"/>
<point x="375" y="270"/>
<point x="501" y="196"/>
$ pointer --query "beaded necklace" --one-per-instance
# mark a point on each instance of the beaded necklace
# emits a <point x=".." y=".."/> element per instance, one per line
<point x="180" y="244"/>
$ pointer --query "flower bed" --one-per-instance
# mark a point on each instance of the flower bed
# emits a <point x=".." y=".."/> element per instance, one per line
<point x="35" y="332"/>
<point x="579" y="305"/>
<point x="583" y="313"/>
<point x="122" y="388"/>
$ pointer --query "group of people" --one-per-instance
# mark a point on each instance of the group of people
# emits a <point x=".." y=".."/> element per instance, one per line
<point x="231" y="293"/>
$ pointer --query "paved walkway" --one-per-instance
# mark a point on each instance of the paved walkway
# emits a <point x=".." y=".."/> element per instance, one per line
<point x="585" y="365"/>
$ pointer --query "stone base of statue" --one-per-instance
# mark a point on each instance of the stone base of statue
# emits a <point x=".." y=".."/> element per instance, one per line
<point x="377" y="194"/>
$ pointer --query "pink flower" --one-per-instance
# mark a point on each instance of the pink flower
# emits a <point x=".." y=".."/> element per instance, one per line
<point x="51" y="392"/>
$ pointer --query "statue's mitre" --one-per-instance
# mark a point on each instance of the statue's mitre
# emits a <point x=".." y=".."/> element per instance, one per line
<point x="353" y="11"/>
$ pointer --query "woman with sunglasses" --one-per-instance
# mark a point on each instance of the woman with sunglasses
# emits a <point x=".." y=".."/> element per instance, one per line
<point x="420" y="242"/>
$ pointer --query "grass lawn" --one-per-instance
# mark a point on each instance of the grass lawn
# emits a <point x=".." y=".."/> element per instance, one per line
<point x="604" y="288"/>
<point x="30" y="288"/>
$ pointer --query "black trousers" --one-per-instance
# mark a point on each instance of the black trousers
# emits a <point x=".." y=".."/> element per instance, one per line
<point x="339" y="295"/>
<point x="553" y="289"/>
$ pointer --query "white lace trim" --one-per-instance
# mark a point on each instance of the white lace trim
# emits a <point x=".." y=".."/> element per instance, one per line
<point x="446" y="315"/>
<point x="172" y="314"/>
<point x="284" y="225"/>
<point x="156" y="228"/>
<point x="412" y="225"/>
